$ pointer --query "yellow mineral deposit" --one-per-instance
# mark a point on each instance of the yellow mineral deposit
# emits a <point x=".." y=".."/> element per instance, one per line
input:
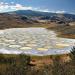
<point x="62" y="45"/>
<point x="25" y="48"/>
<point x="42" y="49"/>
<point x="14" y="46"/>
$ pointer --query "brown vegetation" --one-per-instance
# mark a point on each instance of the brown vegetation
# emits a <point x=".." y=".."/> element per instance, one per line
<point x="36" y="65"/>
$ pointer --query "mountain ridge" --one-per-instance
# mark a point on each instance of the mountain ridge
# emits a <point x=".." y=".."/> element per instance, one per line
<point x="45" y="15"/>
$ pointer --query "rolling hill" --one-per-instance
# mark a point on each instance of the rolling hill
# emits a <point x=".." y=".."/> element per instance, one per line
<point x="45" y="15"/>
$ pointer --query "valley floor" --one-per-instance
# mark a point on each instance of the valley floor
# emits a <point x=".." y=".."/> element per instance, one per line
<point x="33" y="65"/>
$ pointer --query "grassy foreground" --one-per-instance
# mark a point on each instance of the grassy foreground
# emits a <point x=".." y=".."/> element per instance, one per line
<point x="36" y="65"/>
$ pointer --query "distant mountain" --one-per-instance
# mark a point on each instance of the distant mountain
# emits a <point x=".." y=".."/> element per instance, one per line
<point x="45" y="15"/>
<point x="27" y="18"/>
<point x="13" y="21"/>
<point x="32" y="13"/>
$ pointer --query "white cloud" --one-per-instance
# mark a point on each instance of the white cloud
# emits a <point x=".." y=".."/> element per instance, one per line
<point x="1" y="3"/>
<point x="12" y="2"/>
<point x="5" y="7"/>
<point x="60" y="11"/>
<point x="20" y="7"/>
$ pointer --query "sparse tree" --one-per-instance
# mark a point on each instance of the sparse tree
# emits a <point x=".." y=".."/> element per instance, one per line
<point x="24" y="64"/>
<point x="72" y="55"/>
<point x="56" y="65"/>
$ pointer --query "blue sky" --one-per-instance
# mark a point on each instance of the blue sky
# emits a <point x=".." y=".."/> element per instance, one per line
<point x="42" y="5"/>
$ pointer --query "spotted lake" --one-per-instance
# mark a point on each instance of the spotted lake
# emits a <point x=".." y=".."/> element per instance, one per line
<point x="34" y="41"/>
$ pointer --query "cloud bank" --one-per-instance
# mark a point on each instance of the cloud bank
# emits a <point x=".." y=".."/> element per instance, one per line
<point x="6" y="7"/>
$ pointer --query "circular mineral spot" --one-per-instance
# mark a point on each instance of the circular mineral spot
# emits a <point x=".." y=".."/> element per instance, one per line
<point x="14" y="46"/>
<point x="47" y="47"/>
<point x="42" y="49"/>
<point x="31" y="45"/>
<point x="25" y="48"/>
<point x="23" y="42"/>
<point x="12" y="43"/>
<point x="4" y="44"/>
<point x="32" y="42"/>
<point x="62" y="45"/>
<point x="1" y="32"/>
<point x="6" y="40"/>
<point x="3" y="39"/>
